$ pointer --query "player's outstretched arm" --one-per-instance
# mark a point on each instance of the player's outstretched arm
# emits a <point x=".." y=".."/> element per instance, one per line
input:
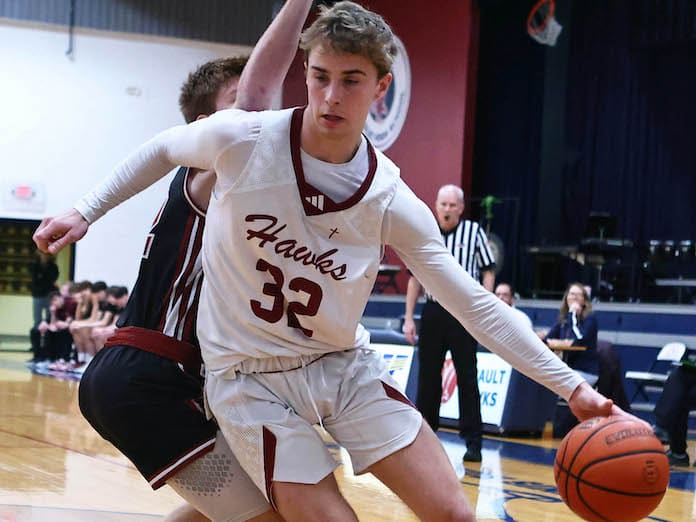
<point x="271" y="58"/>
<point x="411" y="230"/>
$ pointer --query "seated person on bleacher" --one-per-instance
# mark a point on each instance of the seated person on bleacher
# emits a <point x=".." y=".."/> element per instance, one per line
<point x="576" y="326"/>
<point x="51" y="339"/>
<point x="69" y="302"/>
<point x="506" y="293"/>
<point x="117" y="298"/>
<point x="672" y="411"/>
<point x="81" y="292"/>
<point x="81" y="329"/>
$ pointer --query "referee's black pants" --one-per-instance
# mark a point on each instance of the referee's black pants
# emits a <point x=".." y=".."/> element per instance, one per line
<point x="439" y="332"/>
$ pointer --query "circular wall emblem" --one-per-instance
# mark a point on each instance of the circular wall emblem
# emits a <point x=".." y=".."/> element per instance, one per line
<point x="388" y="114"/>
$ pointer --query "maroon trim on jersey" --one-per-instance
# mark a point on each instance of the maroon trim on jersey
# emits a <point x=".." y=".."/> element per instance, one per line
<point x="189" y="325"/>
<point x="181" y="259"/>
<point x="184" y="294"/>
<point x="160" y="344"/>
<point x="269" y="452"/>
<point x="158" y="216"/>
<point x="307" y="191"/>
<point x="395" y="394"/>
<point x="191" y="172"/>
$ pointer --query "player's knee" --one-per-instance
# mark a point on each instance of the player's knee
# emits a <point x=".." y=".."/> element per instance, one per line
<point x="455" y="511"/>
<point x="462" y="513"/>
<point x="321" y="501"/>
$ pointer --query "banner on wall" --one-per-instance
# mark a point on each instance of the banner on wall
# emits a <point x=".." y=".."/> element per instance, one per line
<point x="493" y="381"/>
<point x="398" y="358"/>
<point x="388" y="114"/>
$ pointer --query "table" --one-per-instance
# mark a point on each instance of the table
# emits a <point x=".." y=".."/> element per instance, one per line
<point x="677" y="283"/>
<point x="561" y="351"/>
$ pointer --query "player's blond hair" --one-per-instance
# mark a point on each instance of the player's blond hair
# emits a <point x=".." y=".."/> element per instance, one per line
<point x="349" y="28"/>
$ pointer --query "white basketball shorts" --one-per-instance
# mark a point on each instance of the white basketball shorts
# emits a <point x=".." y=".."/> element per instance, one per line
<point x="267" y="418"/>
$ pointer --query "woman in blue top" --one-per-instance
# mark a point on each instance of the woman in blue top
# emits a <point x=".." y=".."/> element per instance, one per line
<point x="577" y="326"/>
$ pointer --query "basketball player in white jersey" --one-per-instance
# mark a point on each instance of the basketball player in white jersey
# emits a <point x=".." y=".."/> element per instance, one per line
<point x="301" y="208"/>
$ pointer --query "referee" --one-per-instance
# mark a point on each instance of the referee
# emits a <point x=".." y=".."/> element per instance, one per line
<point x="439" y="331"/>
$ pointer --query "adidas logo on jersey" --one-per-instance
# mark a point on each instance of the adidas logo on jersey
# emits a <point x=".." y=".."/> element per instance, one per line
<point x="316" y="201"/>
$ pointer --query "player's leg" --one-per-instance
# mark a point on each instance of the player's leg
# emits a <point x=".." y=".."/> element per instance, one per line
<point x="320" y="501"/>
<point x="384" y="434"/>
<point x="217" y="488"/>
<point x="186" y="513"/>
<point x="267" y="420"/>
<point x="149" y="409"/>
<point x="432" y="491"/>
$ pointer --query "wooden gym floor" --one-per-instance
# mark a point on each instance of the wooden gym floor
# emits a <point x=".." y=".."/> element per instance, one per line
<point x="54" y="467"/>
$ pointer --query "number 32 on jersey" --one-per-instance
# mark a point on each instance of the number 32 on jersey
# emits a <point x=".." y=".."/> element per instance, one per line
<point x="300" y="286"/>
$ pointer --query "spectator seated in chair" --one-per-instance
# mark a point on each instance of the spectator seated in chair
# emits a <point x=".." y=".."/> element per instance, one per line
<point x="51" y="339"/>
<point x="116" y="298"/>
<point x="576" y="327"/>
<point x="610" y="382"/>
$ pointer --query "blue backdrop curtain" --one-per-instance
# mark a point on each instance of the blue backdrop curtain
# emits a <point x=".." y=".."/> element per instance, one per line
<point x="629" y="126"/>
<point x="508" y="126"/>
<point x="631" y="119"/>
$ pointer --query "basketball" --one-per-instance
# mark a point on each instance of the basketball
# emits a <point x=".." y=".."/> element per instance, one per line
<point x="611" y="468"/>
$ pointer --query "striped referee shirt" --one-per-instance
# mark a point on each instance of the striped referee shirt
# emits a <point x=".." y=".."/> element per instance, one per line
<point x="468" y="243"/>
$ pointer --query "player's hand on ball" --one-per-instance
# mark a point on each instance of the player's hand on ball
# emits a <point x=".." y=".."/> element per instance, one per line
<point x="586" y="403"/>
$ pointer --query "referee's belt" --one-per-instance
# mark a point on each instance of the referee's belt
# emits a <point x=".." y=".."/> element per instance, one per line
<point x="152" y="341"/>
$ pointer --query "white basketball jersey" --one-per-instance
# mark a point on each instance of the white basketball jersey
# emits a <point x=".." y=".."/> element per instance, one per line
<point x="288" y="270"/>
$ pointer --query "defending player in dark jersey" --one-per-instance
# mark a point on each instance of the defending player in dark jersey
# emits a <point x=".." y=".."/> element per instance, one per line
<point x="159" y="319"/>
<point x="143" y="392"/>
<point x="165" y="298"/>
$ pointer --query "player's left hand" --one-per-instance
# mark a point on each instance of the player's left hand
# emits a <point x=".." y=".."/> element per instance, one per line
<point x="55" y="233"/>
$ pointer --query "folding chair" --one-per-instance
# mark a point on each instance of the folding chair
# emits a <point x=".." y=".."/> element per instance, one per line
<point x="654" y="378"/>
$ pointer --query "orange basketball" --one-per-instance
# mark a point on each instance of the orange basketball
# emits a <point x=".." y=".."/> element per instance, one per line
<point x="611" y="469"/>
